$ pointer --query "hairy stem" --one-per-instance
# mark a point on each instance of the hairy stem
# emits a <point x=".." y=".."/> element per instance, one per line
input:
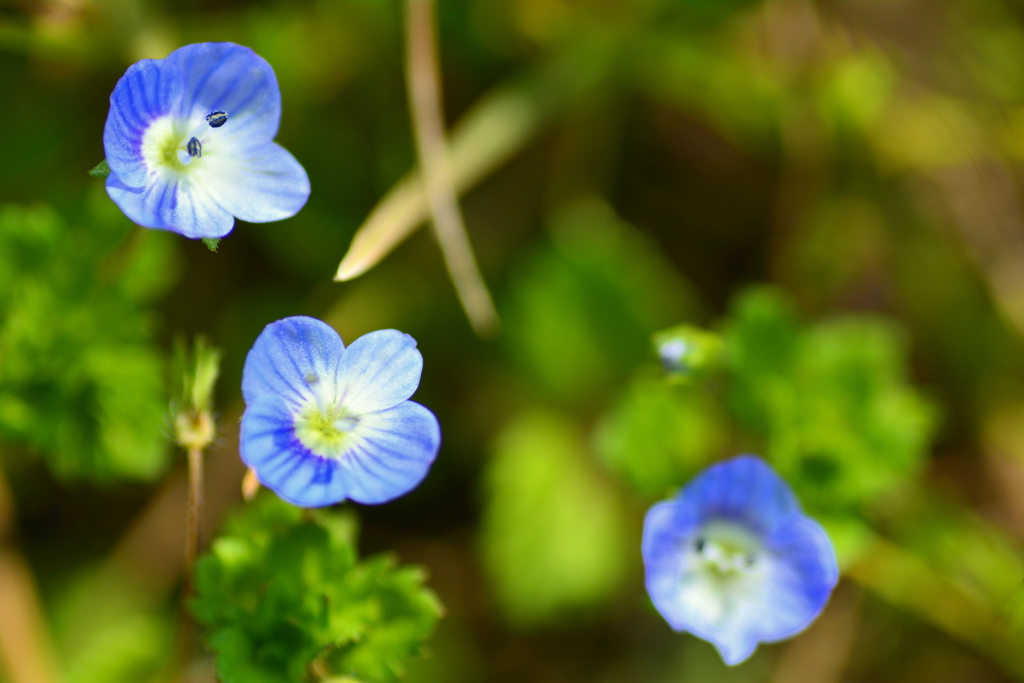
<point x="423" y="80"/>
<point x="193" y="537"/>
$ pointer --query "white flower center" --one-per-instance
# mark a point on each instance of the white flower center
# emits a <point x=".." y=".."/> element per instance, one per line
<point x="325" y="429"/>
<point x="723" y="567"/>
<point x="724" y="554"/>
<point x="174" y="145"/>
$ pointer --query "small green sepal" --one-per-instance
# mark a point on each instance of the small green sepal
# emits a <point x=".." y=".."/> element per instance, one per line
<point x="212" y="243"/>
<point x="100" y="170"/>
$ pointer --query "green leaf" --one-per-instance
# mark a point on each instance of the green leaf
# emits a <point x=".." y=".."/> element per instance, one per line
<point x="831" y="404"/>
<point x="152" y="269"/>
<point x="129" y="399"/>
<point x="100" y="170"/>
<point x="661" y="434"/>
<point x="283" y="591"/>
<point x="82" y="382"/>
<point x="106" y="626"/>
<point x="557" y="539"/>
<point x="582" y="314"/>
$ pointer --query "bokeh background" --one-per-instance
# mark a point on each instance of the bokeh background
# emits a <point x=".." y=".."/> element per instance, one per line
<point x="834" y="187"/>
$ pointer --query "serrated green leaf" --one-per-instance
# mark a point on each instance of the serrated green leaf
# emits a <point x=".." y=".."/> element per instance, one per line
<point x="831" y="404"/>
<point x="283" y="590"/>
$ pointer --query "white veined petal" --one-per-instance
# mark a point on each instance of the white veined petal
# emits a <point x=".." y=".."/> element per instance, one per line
<point x="379" y="370"/>
<point x="256" y="181"/>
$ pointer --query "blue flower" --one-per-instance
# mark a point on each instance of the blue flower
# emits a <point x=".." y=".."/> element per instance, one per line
<point x="189" y="140"/>
<point x="733" y="560"/>
<point x="324" y="423"/>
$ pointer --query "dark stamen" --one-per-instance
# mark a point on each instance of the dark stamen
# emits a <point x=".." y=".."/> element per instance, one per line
<point x="194" y="148"/>
<point x="699" y="545"/>
<point x="216" y="119"/>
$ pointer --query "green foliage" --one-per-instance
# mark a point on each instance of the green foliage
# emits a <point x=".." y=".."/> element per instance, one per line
<point x="831" y="404"/>
<point x="121" y="644"/>
<point x="557" y="539"/>
<point x="661" y="434"/>
<point x="80" y="380"/>
<point x="981" y="559"/>
<point x="581" y="316"/>
<point x="126" y="651"/>
<point x="283" y="595"/>
<point x="106" y="627"/>
<point x="742" y="139"/>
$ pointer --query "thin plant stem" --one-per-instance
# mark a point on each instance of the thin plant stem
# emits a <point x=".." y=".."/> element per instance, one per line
<point x="423" y="80"/>
<point x="194" y="514"/>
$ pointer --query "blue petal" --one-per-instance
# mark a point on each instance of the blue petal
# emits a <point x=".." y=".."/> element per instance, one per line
<point x="734" y="650"/>
<point x="811" y="570"/>
<point x="253" y="179"/>
<point x="663" y="561"/>
<point x="744" y="489"/>
<point x="379" y="370"/>
<point x="294" y="358"/>
<point x="269" y="446"/>
<point x="392" y="452"/>
<point x="230" y="78"/>
<point x="149" y="90"/>
<point x="171" y="201"/>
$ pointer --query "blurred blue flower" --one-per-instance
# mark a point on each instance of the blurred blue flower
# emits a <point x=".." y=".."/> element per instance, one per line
<point x="189" y="140"/>
<point x="324" y="423"/>
<point x="733" y="559"/>
<point x="688" y="352"/>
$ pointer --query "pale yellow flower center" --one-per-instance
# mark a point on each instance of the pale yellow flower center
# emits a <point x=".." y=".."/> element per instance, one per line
<point x="326" y="431"/>
<point x="172" y="145"/>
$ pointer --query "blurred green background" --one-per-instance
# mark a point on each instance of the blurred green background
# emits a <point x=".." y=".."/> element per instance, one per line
<point x="834" y="187"/>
